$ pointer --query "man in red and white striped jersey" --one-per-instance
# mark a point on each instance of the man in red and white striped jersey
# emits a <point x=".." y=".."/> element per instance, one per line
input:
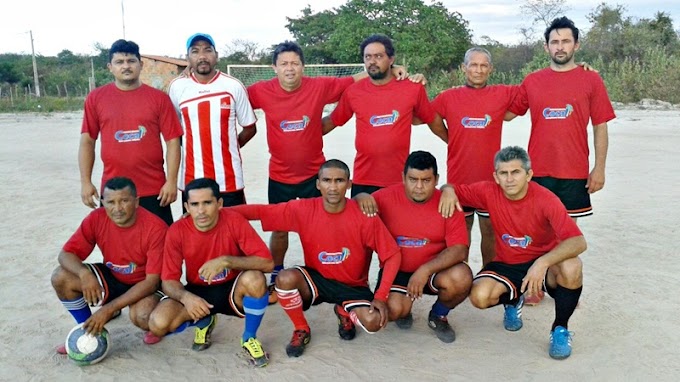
<point x="210" y="103"/>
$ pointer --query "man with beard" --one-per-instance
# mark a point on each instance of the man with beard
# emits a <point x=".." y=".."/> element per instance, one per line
<point x="209" y="104"/>
<point x="563" y="98"/>
<point x="384" y="109"/>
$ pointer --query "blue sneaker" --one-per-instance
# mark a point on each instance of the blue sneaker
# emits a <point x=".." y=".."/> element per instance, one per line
<point x="560" y="343"/>
<point x="512" y="320"/>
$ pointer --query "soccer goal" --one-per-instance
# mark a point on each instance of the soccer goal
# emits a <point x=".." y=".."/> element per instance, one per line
<point x="249" y="74"/>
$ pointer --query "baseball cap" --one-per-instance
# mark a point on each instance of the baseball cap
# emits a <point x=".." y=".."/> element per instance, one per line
<point x="200" y="36"/>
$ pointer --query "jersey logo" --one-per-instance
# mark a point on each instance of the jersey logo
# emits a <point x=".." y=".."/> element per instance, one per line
<point x="334" y="257"/>
<point x="127" y="269"/>
<point x="130" y="135"/>
<point x="476" y="123"/>
<point x="218" y="277"/>
<point x="384" y="120"/>
<point x="411" y="242"/>
<point x="287" y="126"/>
<point x="556" y="113"/>
<point x="521" y="242"/>
<point x="225" y="105"/>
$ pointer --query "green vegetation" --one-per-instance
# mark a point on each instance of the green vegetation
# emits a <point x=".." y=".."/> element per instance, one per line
<point x="637" y="57"/>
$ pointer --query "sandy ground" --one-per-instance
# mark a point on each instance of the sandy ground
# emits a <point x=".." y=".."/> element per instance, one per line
<point x="626" y="328"/>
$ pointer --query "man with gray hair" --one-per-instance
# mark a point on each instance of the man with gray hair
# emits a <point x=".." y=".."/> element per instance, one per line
<point x="474" y="118"/>
<point x="537" y="246"/>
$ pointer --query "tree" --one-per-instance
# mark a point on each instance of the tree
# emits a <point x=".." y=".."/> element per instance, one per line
<point x="427" y="38"/>
<point x="544" y="11"/>
<point x="245" y="52"/>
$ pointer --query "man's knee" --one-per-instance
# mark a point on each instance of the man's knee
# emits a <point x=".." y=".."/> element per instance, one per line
<point x="254" y="283"/>
<point x="570" y="273"/>
<point x="63" y="281"/>
<point x="159" y="321"/>
<point x="288" y="279"/>
<point x="457" y="279"/>
<point x="480" y="297"/>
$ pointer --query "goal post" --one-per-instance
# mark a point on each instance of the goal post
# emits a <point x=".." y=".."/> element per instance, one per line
<point x="249" y="74"/>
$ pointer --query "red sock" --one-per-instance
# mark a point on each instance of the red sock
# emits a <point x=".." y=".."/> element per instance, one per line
<point x="291" y="302"/>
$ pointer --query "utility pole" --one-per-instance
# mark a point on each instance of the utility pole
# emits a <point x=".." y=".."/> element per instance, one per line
<point x="122" y="12"/>
<point x="35" y="68"/>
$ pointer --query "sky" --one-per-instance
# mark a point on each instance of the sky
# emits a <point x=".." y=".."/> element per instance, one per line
<point x="162" y="27"/>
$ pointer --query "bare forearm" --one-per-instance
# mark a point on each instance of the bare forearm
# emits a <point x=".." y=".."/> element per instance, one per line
<point x="327" y="125"/>
<point x="245" y="263"/>
<point x="439" y="129"/>
<point x="601" y="143"/>
<point x="567" y="249"/>
<point x="172" y="158"/>
<point x="71" y="263"/>
<point x="86" y="158"/>
<point x="174" y="289"/>
<point x="139" y="291"/>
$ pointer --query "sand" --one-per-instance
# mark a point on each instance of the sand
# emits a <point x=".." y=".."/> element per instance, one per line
<point x="626" y="328"/>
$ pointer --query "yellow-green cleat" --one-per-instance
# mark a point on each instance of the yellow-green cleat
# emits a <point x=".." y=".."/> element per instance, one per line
<point x="202" y="339"/>
<point x="253" y="349"/>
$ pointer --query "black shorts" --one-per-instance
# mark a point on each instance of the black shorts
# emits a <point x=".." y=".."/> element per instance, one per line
<point x="228" y="199"/>
<point x="113" y="288"/>
<point x="401" y="283"/>
<point x="510" y="275"/>
<point x="572" y="192"/>
<point x="220" y="296"/>
<point x="470" y="211"/>
<point x="152" y="204"/>
<point x="333" y="292"/>
<point x="359" y="188"/>
<point x="282" y="192"/>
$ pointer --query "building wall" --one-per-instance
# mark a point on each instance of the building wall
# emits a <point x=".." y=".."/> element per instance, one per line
<point x="159" y="74"/>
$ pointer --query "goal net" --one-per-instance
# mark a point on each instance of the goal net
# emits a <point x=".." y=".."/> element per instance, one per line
<point x="249" y="74"/>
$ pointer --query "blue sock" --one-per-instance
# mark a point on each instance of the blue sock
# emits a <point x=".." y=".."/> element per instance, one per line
<point x="275" y="273"/>
<point x="78" y="309"/>
<point x="439" y="309"/>
<point x="254" y="309"/>
<point x="202" y="323"/>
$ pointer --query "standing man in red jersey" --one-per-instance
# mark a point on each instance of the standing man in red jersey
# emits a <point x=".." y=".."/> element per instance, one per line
<point x="563" y="98"/>
<point x="130" y="117"/>
<point x="384" y="110"/>
<point x="210" y="103"/>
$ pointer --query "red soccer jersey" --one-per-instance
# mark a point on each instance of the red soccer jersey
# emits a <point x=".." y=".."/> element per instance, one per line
<point x="293" y="120"/>
<point x="209" y="113"/>
<point x="383" y="123"/>
<point x="419" y="228"/>
<point x="525" y="229"/>
<point x="561" y="105"/>
<point x="130" y="253"/>
<point x="474" y="118"/>
<point x="130" y="124"/>
<point x="232" y="236"/>
<point x="338" y="246"/>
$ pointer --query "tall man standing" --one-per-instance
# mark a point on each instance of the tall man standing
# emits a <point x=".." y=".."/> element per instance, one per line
<point x="563" y="98"/>
<point x="384" y="109"/>
<point x="131" y="117"/>
<point x="210" y="103"/>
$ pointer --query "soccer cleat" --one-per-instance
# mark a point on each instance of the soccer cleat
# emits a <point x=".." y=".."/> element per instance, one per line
<point x="346" y="328"/>
<point x="512" y="320"/>
<point x="534" y="299"/>
<point x="202" y="339"/>
<point x="273" y="297"/>
<point x="253" y="348"/>
<point x="441" y="327"/>
<point x="61" y="349"/>
<point x="151" y="339"/>
<point x="560" y="343"/>
<point x="298" y="343"/>
<point x="405" y="322"/>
